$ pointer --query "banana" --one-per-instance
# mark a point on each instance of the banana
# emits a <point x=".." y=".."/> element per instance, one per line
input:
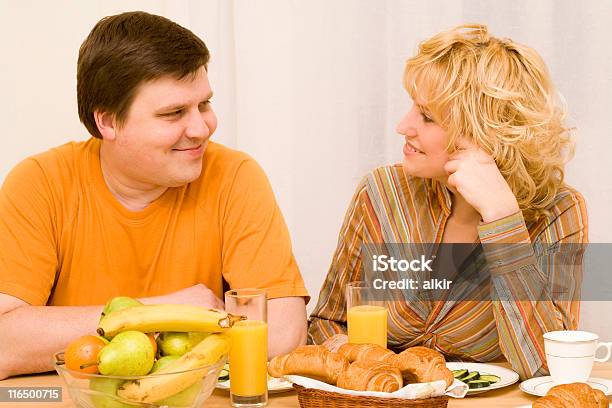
<point x="158" y="386"/>
<point x="159" y="318"/>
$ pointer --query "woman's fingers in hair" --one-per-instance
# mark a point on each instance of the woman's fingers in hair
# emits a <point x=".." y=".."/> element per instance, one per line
<point x="464" y="148"/>
<point x="463" y="143"/>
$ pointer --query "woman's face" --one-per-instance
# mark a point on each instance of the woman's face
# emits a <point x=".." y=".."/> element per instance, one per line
<point x="425" y="148"/>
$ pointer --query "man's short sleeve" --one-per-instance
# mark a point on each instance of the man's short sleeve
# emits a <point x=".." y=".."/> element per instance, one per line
<point x="256" y="244"/>
<point x="28" y="256"/>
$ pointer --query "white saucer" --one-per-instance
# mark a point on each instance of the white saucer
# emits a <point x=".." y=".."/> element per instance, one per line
<point x="539" y="386"/>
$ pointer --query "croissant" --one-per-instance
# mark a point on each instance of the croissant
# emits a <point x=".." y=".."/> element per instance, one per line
<point x="311" y="361"/>
<point x="370" y="375"/>
<point x="421" y="364"/>
<point x="575" y="395"/>
<point x="358" y="352"/>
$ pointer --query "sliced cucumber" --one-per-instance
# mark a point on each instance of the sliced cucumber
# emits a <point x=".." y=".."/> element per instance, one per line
<point x="478" y="384"/>
<point x="473" y="375"/>
<point x="224" y="374"/>
<point x="490" y="378"/>
<point x="459" y="374"/>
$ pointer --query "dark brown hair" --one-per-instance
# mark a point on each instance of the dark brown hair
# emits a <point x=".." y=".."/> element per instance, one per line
<point x="123" y="51"/>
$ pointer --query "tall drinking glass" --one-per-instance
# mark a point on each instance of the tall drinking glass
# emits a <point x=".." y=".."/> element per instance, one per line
<point x="248" y="357"/>
<point x="366" y="316"/>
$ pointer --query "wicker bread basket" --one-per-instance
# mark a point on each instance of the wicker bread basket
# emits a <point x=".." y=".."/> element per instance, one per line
<point x="313" y="398"/>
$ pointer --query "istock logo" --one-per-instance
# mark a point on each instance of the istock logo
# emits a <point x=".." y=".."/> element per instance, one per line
<point x="383" y="263"/>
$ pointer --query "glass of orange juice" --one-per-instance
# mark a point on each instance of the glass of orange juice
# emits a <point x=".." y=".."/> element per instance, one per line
<point x="248" y="357"/>
<point x="366" y="316"/>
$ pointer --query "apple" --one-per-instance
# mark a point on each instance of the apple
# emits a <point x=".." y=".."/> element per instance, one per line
<point x="183" y="398"/>
<point x="151" y="337"/>
<point x="107" y="386"/>
<point x="129" y="353"/>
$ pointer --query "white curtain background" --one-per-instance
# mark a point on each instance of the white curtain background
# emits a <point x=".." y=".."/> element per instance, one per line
<point x="312" y="89"/>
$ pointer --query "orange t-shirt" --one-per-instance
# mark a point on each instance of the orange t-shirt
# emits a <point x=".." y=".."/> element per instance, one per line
<point x="66" y="240"/>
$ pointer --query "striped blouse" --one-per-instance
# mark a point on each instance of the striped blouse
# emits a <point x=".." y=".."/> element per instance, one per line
<point x="391" y="207"/>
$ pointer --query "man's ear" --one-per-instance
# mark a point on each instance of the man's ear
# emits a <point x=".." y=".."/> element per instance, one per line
<point x="106" y="123"/>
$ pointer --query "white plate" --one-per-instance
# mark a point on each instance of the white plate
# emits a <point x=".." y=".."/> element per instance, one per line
<point x="531" y="406"/>
<point x="539" y="386"/>
<point x="507" y="376"/>
<point x="275" y="385"/>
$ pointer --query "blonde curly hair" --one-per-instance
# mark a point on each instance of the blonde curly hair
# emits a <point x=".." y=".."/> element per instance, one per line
<point x="499" y="95"/>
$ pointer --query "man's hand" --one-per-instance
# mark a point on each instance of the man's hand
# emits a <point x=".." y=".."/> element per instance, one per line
<point x="474" y="174"/>
<point x="198" y="295"/>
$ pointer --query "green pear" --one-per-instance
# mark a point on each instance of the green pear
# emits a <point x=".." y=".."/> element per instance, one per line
<point x="107" y="386"/>
<point x="178" y="343"/>
<point x="119" y="303"/>
<point x="183" y="398"/>
<point x="129" y="353"/>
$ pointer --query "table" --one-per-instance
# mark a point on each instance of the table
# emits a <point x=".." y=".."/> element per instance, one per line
<point x="507" y="397"/>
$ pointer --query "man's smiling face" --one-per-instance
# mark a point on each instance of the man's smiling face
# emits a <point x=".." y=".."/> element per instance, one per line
<point x="166" y="131"/>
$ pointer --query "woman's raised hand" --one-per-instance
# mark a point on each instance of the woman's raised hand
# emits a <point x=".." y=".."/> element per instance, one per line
<point x="474" y="174"/>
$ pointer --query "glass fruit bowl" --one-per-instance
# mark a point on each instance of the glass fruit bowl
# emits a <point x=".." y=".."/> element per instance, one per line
<point x="100" y="391"/>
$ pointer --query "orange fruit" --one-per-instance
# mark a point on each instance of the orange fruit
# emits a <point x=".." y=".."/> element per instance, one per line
<point x="82" y="354"/>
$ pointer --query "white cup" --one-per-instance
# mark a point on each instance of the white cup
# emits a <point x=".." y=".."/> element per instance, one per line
<point x="570" y="355"/>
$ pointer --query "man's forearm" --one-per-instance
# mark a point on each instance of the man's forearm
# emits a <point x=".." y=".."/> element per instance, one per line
<point x="286" y="340"/>
<point x="30" y="335"/>
<point x="286" y="325"/>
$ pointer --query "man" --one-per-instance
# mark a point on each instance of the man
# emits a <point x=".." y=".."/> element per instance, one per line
<point x="148" y="207"/>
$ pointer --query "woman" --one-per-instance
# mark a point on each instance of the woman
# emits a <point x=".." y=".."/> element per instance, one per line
<point x="485" y="146"/>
